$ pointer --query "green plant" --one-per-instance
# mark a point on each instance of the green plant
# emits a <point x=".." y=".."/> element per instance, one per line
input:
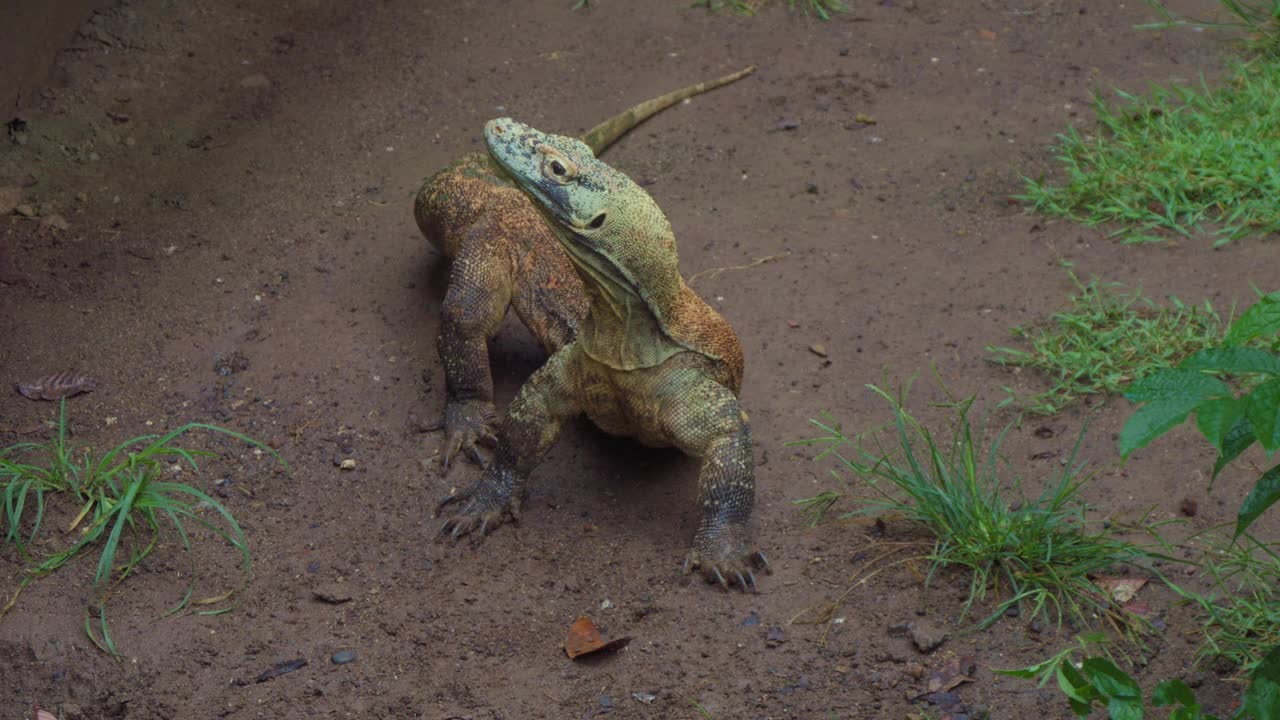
<point x="1176" y="160"/>
<point x="1261" y="19"/>
<point x="1033" y="553"/>
<point x="1242" y="613"/>
<point x="1232" y="417"/>
<point x="822" y="8"/>
<point x="1231" y="423"/>
<point x="1104" y="341"/>
<point x="124" y="506"/>
<point x="815" y="508"/>
<point x="1098" y="681"/>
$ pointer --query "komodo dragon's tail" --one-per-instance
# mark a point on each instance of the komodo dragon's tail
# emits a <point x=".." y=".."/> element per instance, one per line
<point x="607" y="133"/>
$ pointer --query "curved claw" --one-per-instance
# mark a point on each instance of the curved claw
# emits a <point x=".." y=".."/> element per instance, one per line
<point x="751" y="579"/>
<point x="720" y="579"/>
<point x="474" y="453"/>
<point x="448" y="499"/>
<point x="759" y="558"/>
<point x="742" y="582"/>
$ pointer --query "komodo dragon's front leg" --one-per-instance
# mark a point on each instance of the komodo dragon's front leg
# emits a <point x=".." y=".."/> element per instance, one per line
<point x="532" y="426"/>
<point x="703" y="418"/>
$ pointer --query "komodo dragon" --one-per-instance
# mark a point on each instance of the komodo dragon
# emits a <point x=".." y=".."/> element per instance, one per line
<point x="504" y="255"/>
<point x="651" y="360"/>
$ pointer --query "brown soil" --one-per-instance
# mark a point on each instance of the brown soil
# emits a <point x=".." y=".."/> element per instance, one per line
<point x="237" y="178"/>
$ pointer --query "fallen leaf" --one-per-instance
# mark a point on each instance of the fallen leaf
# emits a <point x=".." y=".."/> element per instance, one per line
<point x="57" y="386"/>
<point x="584" y="637"/>
<point x="952" y="675"/>
<point x="284" y="667"/>
<point x="818" y="349"/>
<point x="1120" y="590"/>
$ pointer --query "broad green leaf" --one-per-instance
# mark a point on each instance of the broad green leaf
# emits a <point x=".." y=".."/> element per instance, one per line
<point x="1262" y="699"/>
<point x="1264" y="494"/>
<point x="1237" y="360"/>
<point x="1217" y="417"/>
<point x="1110" y="681"/>
<point x="1124" y="709"/>
<point x="1151" y="421"/>
<point x="1237" y="440"/>
<point x="1261" y="319"/>
<point x="1076" y="688"/>
<point x="1263" y="408"/>
<point x="1173" y="691"/>
<point x="1175" y="384"/>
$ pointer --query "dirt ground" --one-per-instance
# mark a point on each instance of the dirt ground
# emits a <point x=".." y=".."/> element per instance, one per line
<point x="218" y="177"/>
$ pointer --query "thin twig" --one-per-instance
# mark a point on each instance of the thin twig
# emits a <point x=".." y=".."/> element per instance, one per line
<point x="713" y="272"/>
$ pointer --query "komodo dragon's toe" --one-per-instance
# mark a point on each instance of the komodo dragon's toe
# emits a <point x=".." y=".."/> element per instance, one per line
<point x="724" y="558"/>
<point x="468" y="424"/>
<point x="480" y="508"/>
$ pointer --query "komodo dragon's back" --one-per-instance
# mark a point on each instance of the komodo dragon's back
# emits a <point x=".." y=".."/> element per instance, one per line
<point x="504" y="255"/>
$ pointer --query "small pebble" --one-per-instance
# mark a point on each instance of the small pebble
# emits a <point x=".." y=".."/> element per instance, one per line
<point x="818" y="349"/>
<point x="348" y="464"/>
<point x="342" y="657"/>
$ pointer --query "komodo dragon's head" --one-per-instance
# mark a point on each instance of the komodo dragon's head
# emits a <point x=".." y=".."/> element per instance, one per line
<point x="614" y="232"/>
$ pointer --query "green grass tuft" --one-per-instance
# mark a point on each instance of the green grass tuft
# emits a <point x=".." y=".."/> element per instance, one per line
<point x="1104" y="341"/>
<point x="1035" y="554"/>
<point x="1259" y="18"/>
<point x="1176" y="160"/>
<point x="124" y="507"/>
<point x="1242" y="612"/>
<point x="823" y="9"/>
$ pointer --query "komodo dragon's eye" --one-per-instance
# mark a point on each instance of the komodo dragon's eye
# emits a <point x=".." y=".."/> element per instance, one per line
<point x="557" y="168"/>
<point x="597" y="222"/>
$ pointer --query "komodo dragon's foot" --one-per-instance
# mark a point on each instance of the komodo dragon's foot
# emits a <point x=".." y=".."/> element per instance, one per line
<point x="466" y="424"/>
<point x="483" y="506"/>
<point x="724" y="557"/>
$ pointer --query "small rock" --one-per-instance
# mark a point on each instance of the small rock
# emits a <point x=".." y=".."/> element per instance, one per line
<point x="348" y="464"/>
<point x="864" y="119"/>
<point x="342" y="657"/>
<point x="57" y="222"/>
<point x="644" y="697"/>
<point x="818" y="349"/>
<point x="751" y="620"/>
<point x="256" y="80"/>
<point x="774" y="636"/>
<point x="1189" y="507"/>
<point x="927" y="636"/>
<point x="230" y="363"/>
<point x="26" y="210"/>
<point x="10" y="198"/>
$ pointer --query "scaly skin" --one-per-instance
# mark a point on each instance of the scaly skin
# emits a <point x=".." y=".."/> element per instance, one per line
<point x="651" y="360"/>
<point x="504" y="256"/>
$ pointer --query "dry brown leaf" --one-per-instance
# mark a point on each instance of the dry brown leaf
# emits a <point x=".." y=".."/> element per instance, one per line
<point x="952" y="675"/>
<point x="57" y="386"/>
<point x="584" y="637"/>
<point x="1120" y="589"/>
